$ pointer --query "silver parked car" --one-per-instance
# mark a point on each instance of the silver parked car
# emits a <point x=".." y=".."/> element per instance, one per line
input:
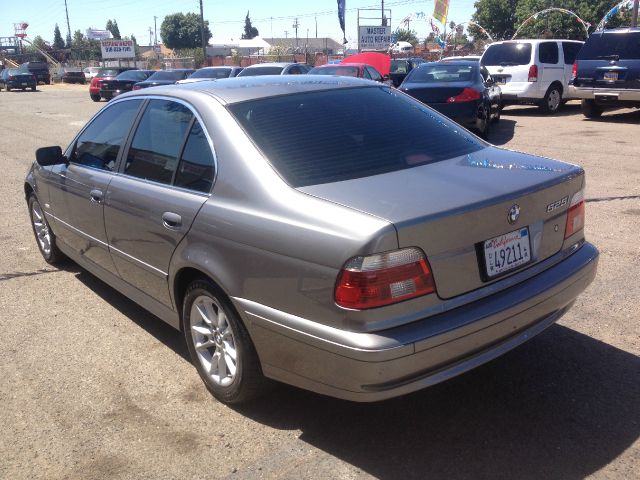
<point x="331" y="233"/>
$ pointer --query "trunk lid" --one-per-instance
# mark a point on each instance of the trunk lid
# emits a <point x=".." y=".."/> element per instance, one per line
<point x="434" y="92"/>
<point x="450" y="208"/>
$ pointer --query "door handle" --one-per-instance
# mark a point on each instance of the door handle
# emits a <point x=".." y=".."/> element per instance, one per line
<point x="171" y="220"/>
<point x="96" y="196"/>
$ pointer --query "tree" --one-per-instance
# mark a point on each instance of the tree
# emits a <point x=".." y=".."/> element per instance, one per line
<point x="38" y="42"/>
<point x="406" y="35"/>
<point x="58" y="42"/>
<point x="78" y="41"/>
<point x="112" y="26"/>
<point x="182" y="30"/>
<point x="497" y="16"/>
<point x="249" y="30"/>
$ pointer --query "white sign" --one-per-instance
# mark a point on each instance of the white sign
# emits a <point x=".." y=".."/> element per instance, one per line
<point x="93" y="34"/>
<point x="117" y="49"/>
<point x="374" y="38"/>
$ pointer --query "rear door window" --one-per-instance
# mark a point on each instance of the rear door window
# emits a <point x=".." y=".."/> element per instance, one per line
<point x="548" y="52"/>
<point x="570" y="50"/>
<point x="611" y="45"/>
<point x="507" y="54"/>
<point x="98" y="145"/>
<point x="196" y="169"/>
<point x="159" y="137"/>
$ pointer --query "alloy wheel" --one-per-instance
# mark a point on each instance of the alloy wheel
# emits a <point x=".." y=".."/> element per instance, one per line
<point x="43" y="235"/>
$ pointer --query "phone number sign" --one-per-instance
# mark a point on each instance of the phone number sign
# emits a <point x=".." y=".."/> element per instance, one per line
<point x="117" y="49"/>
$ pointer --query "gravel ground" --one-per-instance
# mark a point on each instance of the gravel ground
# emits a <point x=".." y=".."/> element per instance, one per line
<point x="95" y="387"/>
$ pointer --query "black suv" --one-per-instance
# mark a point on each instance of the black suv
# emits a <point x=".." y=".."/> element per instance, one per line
<point x="39" y="69"/>
<point x="607" y="71"/>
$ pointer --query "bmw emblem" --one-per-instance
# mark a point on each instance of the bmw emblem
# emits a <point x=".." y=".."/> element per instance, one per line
<point x="514" y="214"/>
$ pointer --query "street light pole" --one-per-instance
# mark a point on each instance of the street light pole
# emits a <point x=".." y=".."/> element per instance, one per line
<point x="634" y="19"/>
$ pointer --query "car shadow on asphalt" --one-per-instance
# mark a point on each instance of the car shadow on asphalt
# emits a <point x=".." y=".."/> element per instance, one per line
<point x="617" y="116"/>
<point x="502" y="132"/>
<point x="562" y="406"/>
<point x="571" y="108"/>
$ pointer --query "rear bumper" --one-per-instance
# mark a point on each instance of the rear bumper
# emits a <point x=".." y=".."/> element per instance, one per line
<point x="375" y="366"/>
<point x="607" y="96"/>
<point x="466" y="114"/>
<point x="521" y="92"/>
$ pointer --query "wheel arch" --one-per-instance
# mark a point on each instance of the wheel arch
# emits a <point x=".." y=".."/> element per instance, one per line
<point x="558" y="84"/>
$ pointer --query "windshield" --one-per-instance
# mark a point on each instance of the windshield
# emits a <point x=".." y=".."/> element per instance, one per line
<point x="211" y="73"/>
<point x="167" y="75"/>
<point x="251" y="72"/>
<point x="342" y="134"/>
<point x="133" y="75"/>
<point x="440" y="72"/>
<point x="624" y="45"/>
<point x="506" y="54"/>
<point x="335" y="70"/>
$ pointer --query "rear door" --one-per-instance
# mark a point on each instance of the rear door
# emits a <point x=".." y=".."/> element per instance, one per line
<point x="165" y="177"/>
<point x="551" y="69"/>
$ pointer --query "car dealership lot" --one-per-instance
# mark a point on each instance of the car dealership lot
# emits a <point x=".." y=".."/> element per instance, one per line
<point x="95" y="387"/>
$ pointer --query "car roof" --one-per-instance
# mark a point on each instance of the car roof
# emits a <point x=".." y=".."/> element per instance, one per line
<point x="240" y="89"/>
<point x="273" y="64"/>
<point x="471" y="63"/>
<point x="536" y="40"/>
<point x="348" y="64"/>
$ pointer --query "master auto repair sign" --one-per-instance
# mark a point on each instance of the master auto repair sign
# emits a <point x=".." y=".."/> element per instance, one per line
<point x="374" y="38"/>
<point x="117" y="49"/>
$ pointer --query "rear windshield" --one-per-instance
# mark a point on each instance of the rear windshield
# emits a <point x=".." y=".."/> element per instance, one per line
<point x="505" y="54"/>
<point x="211" y="73"/>
<point x="36" y="66"/>
<point x="399" y="66"/>
<point x="167" y="75"/>
<point x="337" y="70"/>
<point x="609" y="45"/>
<point x="133" y="75"/>
<point x="108" y="72"/>
<point x="250" y="72"/>
<point x="441" y="72"/>
<point x="330" y="136"/>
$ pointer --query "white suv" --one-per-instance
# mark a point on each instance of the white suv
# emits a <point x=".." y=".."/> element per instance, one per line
<point x="532" y="71"/>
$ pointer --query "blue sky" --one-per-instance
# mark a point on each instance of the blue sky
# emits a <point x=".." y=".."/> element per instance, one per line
<point x="226" y="18"/>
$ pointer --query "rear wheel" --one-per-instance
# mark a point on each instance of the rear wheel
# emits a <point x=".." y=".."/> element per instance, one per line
<point x="45" y="238"/>
<point x="219" y="345"/>
<point x="552" y="100"/>
<point x="590" y="109"/>
<point x="33" y="89"/>
<point x="483" y="122"/>
<point x="95" y="97"/>
<point x="8" y="88"/>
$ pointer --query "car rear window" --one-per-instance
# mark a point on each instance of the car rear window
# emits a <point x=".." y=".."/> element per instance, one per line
<point x="624" y="45"/>
<point x="167" y="75"/>
<point x="211" y="73"/>
<point x="441" y="72"/>
<point x="108" y="72"/>
<point x="506" y="54"/>
<point x="250" y="72"/>
<point x="335" y="135"/>
<point x="337" y="70"/>
<point x="133" y="75"/>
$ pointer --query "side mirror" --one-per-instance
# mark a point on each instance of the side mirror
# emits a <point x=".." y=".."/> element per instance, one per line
<point x="46" y="156"/>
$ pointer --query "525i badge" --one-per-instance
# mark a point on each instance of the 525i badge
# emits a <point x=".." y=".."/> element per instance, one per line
<point x="557" y="204"/>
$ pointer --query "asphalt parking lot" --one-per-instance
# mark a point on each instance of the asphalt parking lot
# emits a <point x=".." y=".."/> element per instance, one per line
<point x="95" y="387"/>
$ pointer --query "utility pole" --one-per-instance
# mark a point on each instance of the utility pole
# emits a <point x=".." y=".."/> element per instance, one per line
<point x="155" y="31"/>
<point x="68" y="25"/>
<point x="204" y="40"/>
<point x="634" y="18"/>
<point x="150" y="36"/>
<point x="296" y="25"/>
<point x="316" y="27"/>
<point x="286" y="34"/>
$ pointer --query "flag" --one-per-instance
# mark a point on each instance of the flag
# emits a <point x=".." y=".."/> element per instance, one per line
<point x="434" y="28"/>
<point x="341" y="9"/>
<point x="441" y="10"/>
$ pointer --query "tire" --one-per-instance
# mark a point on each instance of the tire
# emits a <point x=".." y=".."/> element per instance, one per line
<point x="590" y="109"/>
<point x="8" y="88"/>
<point x="33" y="89"/>
<point x="45" y="238"/>
<point x="213" y="332"/>
<point x="95" y="97"/>
<point x="483" y="128"/>
<point x="552" y="100"/>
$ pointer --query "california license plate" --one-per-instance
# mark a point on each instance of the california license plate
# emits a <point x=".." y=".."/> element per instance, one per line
<point x="507" y="252"/>
<point x="610" y="76"/>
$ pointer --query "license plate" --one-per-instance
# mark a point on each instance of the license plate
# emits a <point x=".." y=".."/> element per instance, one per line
<point x="24" y="84"/>
<point x="610" y="76"/>
<point x="501" y="80"/>
<point x="507" y="252"/>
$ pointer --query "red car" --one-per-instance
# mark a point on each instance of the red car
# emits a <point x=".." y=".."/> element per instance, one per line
<point x="361" y="70"/>
<point x="103" y="74"/>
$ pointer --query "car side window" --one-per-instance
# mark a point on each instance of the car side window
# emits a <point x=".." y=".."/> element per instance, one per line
<point x="366" y="74"/>
<point x="570" y="50"/>
<point x="374" y="74"/>
<point x="197" y="167"/>
<point x="295" y="70"/>
<point x="98" y="145"/>
<point x="154" y="151"/>
<point x="548" y="52"/>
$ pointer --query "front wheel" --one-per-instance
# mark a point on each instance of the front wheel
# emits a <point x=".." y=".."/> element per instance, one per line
<point x="552" y="100"/>
<point x="590" y="109"/>
<point x="45" y="238"/>
<point x="219" y="345"/>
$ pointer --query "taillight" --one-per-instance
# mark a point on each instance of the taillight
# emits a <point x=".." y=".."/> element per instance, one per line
<point x="574" y="70"/>
<point x="383" y="279"/>
<point x="575" y="215"/>
<point x="467" y="95"/>
<point x="533" y="73"/>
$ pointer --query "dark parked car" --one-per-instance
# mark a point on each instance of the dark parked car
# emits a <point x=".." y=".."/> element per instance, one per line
<point x="17" y="79"/>
<point x="74" y="77"/>
<point x="606" y="73"/>
<point x="39" y="69"/>
<point x="164" y="77"/>
<point x="400" y="68"/>
<point x="275" y="68"/>
<point x="103" y="74"/>
<point x="124" y="82"/>
<point x="336" y="235"/>
<point x="360" y="70"/>
<point x="211" y="73"/>
<point x="461" y="90"/>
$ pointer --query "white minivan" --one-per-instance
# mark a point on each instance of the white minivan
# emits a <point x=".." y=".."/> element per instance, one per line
<point x="532" y="71"/>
